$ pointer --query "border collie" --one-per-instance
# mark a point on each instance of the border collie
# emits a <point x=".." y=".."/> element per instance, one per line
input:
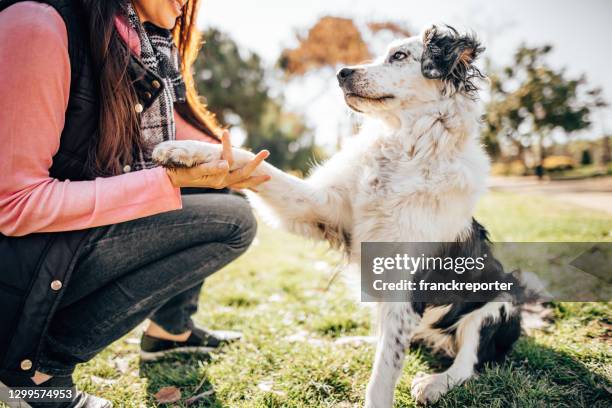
<point x="414" y="174"/>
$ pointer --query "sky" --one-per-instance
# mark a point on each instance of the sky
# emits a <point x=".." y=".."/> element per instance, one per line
<point x="580" y="32"/>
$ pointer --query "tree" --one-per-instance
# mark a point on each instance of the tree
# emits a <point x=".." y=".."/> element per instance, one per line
<point x="233" y="82"/>
<point x="285" y="135"/>
<point x="331" y="41"/>
<point x="529" y="100"/>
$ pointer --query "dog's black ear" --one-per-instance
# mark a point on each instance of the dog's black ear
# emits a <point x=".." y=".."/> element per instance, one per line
<point x="430" y="59"/>
<point x="446" y="50"/>
<point x="466" y="50"/>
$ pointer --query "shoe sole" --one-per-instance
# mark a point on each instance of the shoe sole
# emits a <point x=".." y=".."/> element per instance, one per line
<point x="12" y="404"/>
<point x="156" y="355"/>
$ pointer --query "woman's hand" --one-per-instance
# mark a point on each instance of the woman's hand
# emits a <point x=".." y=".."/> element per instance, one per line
<point x="217" y="174"/>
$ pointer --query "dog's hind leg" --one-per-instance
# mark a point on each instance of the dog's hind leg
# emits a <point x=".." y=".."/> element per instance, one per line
<point x="471" y="340"/>
<point x="396" y="324"/>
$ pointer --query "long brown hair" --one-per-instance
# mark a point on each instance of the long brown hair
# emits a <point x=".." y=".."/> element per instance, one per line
<point x="119" y="129"/>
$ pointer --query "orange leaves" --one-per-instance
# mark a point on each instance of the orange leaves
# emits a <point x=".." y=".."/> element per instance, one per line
<point x="395" y="28"/>
<point x="331" y="41"/>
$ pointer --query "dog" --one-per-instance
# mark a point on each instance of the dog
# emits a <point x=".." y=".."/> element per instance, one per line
<point x="414" y="174"/>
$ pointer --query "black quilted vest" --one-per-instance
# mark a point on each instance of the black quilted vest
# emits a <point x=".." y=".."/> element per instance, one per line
<point x="35" y="269"/>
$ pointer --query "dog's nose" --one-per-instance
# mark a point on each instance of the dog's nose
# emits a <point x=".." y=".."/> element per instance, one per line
<point x="344" y="73"/>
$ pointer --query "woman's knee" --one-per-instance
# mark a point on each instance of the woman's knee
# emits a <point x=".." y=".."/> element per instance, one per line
<point x="246" y="224"/>
<point x="225" y="218"/>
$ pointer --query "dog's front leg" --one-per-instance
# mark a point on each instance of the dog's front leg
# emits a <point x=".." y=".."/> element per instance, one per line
<point x="312" y="208"/>
<point x="396" y="324"/>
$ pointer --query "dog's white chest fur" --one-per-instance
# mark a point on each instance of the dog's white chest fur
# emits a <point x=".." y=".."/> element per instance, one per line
<point x="399" y="196"/>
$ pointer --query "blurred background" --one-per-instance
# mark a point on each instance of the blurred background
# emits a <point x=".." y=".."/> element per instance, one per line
<point x="268" y="71"/>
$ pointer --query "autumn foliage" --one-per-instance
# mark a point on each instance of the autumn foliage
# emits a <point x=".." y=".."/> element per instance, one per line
<point x="331" y="41"/>
<point x="391" y="26"/>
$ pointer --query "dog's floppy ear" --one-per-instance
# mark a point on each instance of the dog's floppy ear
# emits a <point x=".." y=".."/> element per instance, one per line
<point x="449" y="56"/>
<point x="430" y="63"/>
<point x="445" y="50"/>
<point x="465" y="50"/>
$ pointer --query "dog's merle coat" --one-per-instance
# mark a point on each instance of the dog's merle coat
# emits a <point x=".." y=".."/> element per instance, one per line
<point x="496" y="335"/>
<point x="448" y="56"/>
<point x="414" y="173"/>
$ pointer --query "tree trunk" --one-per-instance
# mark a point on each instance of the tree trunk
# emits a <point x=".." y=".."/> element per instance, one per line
<point x="606" y="158"/>
<point x="541" y="154"/>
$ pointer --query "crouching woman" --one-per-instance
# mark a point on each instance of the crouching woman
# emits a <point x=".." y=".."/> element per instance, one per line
<point x="94" y="237"/>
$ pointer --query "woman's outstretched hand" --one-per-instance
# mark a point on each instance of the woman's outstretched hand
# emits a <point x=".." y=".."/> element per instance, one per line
<point x="217" y="174"/>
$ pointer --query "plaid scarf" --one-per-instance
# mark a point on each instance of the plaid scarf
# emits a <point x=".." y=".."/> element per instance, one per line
<point x="160" y="55"/>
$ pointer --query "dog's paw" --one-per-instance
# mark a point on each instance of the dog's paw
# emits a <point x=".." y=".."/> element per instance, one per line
<point x="428" y="388"/>
<point x="378" y="404"/>
<point x="185" y="153"/>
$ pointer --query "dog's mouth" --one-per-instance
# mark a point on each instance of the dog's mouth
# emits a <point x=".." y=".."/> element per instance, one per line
<point x="363" y="103"/>
<point x="369" y="98"/>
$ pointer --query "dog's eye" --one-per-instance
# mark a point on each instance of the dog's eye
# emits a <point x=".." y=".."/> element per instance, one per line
<point x="398" y="56"/>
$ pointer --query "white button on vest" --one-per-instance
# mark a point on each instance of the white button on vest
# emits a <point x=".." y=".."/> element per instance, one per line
<point x="138" y="108"/>
<point x="56" y="285"/>
<point x="26" y="364"/>
<point x="127" y="168"/>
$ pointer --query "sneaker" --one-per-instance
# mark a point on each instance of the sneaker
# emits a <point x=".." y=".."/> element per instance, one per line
<point x="79" y="399"/>
<point x="200" y="341"/>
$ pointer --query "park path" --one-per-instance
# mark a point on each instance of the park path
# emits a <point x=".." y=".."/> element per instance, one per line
<point x="594" y="193"/>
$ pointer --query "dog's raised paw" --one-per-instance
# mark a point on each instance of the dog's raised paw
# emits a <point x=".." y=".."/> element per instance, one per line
<point x="428" y="388"/>
<point x="184" y="153"/>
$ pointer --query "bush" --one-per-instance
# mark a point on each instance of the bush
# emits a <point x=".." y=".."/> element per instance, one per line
<point x="557" y="163"/>
<point x="513" y="168"/>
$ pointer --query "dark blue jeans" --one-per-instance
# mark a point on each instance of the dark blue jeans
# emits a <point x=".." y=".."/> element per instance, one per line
<point x="150" y="267"/>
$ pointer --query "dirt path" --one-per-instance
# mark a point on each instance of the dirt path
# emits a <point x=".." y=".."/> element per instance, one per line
<point x="593" y="193"/>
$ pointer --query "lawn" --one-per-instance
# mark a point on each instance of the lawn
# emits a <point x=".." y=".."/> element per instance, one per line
<point x="295" y="352"/>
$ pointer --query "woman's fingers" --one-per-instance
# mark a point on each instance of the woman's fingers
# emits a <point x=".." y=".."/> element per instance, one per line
<point x="217" y="174"/>
<point x="251" y="182"/>
<point x="227" y="147"/>
<point x="243" y="173"/>
<point x="218" y="167"/>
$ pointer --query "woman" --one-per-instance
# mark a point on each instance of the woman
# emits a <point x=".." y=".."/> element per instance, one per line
<point x="91" y="243"/>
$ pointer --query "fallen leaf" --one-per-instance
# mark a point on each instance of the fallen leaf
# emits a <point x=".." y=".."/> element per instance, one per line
<point x="167" y="395"/>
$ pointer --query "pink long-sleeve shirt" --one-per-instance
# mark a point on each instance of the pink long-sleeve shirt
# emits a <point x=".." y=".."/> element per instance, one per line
<point x="34" y="90"/>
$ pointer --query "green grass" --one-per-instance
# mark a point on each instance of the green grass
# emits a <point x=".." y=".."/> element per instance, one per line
<point x="534" y="218"/>
<point x="276" y="294"/>
<point x="582" y="172"/>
